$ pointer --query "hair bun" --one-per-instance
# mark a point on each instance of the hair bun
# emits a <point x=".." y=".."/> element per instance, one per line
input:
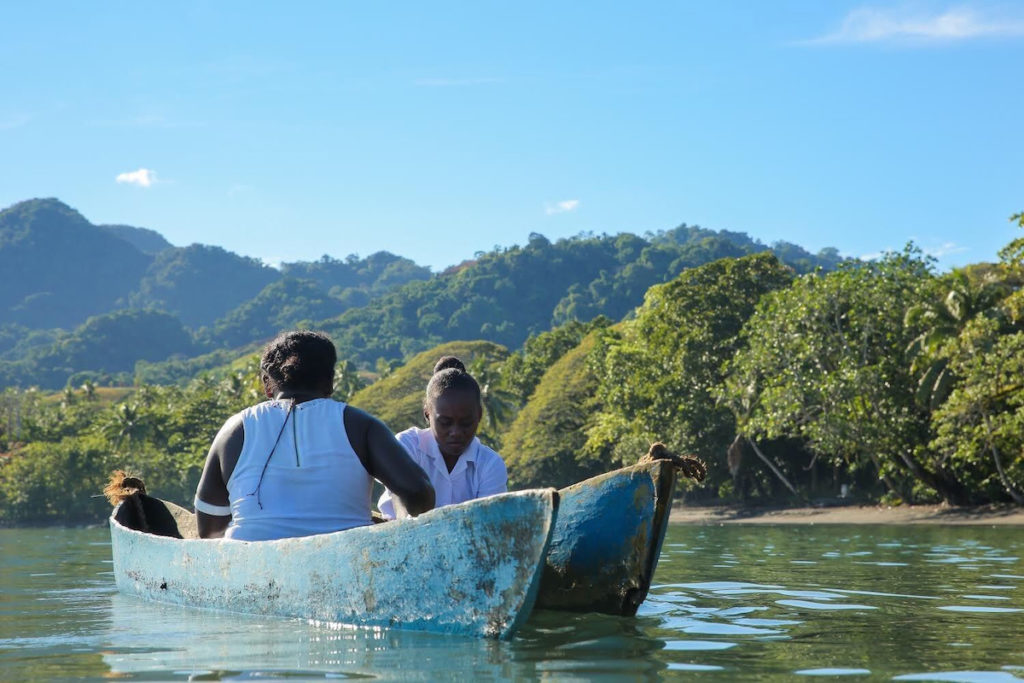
<point x="449" y="362"/>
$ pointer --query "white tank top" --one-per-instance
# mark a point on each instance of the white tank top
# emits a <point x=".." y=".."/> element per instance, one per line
<point x="313" y="484"/>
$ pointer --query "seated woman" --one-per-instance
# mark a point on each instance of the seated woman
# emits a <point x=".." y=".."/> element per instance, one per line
<point x="459" y="466"/>
<point x="301" y="463"/>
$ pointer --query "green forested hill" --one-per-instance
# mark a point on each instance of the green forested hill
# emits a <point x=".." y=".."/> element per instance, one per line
<point x="506" y="295"/>
<point x="200" y="283"/>
<point x="57" y="269"/>
<point x="281" y="304"/>
<point x="354" y="279"/>
<point x="104" y="345"/>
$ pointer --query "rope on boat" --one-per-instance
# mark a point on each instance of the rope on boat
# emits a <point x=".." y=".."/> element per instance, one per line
<point x="690" y="465"/>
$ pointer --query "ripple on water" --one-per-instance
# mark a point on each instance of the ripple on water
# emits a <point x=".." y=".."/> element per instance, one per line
<point x="807" y="604"/>
<point x="961" y="677"/>
<point x="687" y="645"/>
<point x="834" y="671"/>
<point x="677" y="666"/>
<point x="979" y="608"/>
<point x="986" y="597"/>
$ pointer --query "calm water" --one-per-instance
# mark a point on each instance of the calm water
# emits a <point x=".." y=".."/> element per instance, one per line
<point x="750" y="603"/>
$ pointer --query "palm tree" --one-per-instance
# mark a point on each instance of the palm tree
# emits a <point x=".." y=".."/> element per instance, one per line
<point x="347" y="380"/>
<point x="127" y="424"/>
<point x="500" y="405"/>
<point x="942" y="320"/>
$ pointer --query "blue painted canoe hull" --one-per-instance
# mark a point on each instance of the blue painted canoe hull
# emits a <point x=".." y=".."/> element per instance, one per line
<point x="607" y="540"/>
<point x="471" y="569"/>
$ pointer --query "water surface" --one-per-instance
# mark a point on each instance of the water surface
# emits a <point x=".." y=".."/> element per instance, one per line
<point x="757" y="603"/>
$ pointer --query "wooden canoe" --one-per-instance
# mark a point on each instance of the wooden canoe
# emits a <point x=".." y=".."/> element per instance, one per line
<point x="607" y="540"/>
<point x="471" y="569"/>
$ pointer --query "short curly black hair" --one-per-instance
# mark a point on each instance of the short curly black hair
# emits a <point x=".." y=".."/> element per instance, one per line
<point x="450" y="375"/>
<point x="300" y="360"/>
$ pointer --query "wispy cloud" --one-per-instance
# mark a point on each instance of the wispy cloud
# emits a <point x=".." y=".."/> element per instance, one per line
<point x="939" y="251"/>
<point x="875" y="255"/>
<point x="144" y="177"/>
<point x="237" y="189"/>
<point x="561" y="207"/>
<point x="944" y="249"/>
<point x="147" y="121"/>
<point x="454" y="82"/>
<point x="895" y="25"/>
<point x="14" y="122"/>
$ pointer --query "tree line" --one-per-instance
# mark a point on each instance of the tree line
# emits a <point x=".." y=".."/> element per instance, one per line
<point x="882" y="381"/>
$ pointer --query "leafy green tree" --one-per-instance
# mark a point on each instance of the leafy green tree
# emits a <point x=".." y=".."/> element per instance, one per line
<point x="980" y="428"/>
<point x="658" y="377"/>
<point x="55" y="482"/>
<point x="824" y="363"/>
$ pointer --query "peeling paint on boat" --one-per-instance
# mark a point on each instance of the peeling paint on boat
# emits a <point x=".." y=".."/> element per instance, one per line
<point x="470" y="569"/>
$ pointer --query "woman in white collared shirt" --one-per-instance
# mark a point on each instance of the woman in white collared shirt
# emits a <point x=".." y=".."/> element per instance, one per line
<point x="459" y="466"/>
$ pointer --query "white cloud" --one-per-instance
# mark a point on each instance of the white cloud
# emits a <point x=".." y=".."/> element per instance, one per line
<point x="561" y="207"/>
<point x="144" y="177"/>
<point x="871" y="25"/>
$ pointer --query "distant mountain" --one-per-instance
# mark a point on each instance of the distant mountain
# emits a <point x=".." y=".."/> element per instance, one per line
<point x="105" y="344"/>
<point x="60" y="272"/>
<point x="57" y="268"/>
<point x="145" y="240"/>
<point x="376" y="273"/>
<point x="200" y="283"/>
<point x="280" y="305"/>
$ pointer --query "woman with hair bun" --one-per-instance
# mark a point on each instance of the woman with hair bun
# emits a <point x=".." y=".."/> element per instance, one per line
<point x="301" y="463"/>
<point x="459" y="466"/>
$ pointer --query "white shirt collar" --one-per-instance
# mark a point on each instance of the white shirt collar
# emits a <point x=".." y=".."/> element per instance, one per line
<point x="468" y="455"/>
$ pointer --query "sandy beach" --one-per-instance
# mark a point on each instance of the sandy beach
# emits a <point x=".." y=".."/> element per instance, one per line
<point x="851" y="514"/>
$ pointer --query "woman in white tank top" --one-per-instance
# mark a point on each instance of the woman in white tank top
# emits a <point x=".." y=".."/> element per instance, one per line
<point x="301" y="463"/>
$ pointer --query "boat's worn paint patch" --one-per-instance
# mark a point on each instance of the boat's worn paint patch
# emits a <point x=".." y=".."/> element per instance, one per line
<point x="470" y="569"/>
<point x="607" y="539"/>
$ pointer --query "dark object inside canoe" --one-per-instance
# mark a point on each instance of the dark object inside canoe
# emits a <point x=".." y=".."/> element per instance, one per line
<point x="154" y="516"/>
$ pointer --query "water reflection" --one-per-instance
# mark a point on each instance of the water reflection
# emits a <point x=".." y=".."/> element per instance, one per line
<point x="201" y="644"/>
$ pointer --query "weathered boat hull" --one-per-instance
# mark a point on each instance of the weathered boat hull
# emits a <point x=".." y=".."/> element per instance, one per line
<point x="607" y="540"/>
<point x="470" y="569"/>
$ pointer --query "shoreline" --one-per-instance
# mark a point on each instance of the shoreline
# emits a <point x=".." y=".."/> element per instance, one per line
<point x="983" y="515"/>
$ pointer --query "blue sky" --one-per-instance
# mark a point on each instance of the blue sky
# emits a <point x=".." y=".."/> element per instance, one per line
<point x="435" y="130"/>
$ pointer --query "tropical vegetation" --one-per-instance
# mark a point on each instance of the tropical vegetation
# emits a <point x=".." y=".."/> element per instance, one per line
<point x="879" y="380"/>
